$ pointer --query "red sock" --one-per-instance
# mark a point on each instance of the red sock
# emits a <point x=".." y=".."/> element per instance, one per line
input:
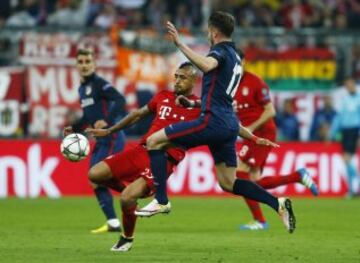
<point x="128" y="220"/>
<point x="253" y="205"/>
<point x="255" y="210"/>
<point x="269" y="182"/>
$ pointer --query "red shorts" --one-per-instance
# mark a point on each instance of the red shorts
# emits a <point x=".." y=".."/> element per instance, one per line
<point x="132" y="164"/>
<point x="255" y="155"/>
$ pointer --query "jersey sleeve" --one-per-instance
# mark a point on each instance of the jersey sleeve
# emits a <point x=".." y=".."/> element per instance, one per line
<point x="217" y="53"/>
<point x="193" y="113"/>
<point x="152" y="104"/>
<point x="109" y="93"/>
<point x="80" y="124"/>
<point x="262" y="93"/>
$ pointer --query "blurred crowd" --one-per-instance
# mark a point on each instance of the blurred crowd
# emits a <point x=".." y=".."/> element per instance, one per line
<point x="324" y="125"/>
<point x="290" y="14"/>
<point x="100" y="13"/>
<point x="340" y="14"/>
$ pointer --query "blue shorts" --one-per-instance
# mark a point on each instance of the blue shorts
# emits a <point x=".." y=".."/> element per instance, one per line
<point x="349" y="139"/>
<point x="203" y="131"/>
<point x="105" y="149"/>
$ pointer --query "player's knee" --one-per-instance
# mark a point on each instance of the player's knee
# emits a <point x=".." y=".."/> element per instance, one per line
<point x="92" y="175"/>
<point x="243" y="167"/>
<point x="226" y="184"/>
<point x="126" y="199"/>
<point x="95" y="175"/>
<point x="255" y="175"/>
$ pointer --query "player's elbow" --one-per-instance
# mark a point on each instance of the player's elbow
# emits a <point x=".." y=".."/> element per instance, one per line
<point x="151" y="143"/>
<point x="208" y="64"/>
<point x="272" y="112"/>
<point x="208" y="67"/>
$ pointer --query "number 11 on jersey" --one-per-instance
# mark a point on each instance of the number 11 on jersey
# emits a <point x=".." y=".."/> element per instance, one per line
<point x="235" y="80"/>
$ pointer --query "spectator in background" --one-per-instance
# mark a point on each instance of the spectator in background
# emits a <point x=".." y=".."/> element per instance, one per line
<point x="340" y="22"/>
<point x="356" y="61"/>
<point x="353" y="13"/>
<point x="322" y="120"/>
<point x="5" y="52"/>
<point x="4" y="11"/>
<point x="72" y="14"/>
<point x="129" y="4"/>
<point x="347" y="122"/>
<point x="107" y="17"/>
<point x="137" y="19"/>
<point x="287" y="122"/>
<point x="296" y="14"/>
<point x="182" y="18"/>
<point x="26" y="14"/>
<point x="254" y="13"/>
<point x="197" y="11"/>
<point x="155" y="12"/>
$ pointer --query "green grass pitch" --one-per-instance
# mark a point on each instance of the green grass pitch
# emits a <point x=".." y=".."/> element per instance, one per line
<point x="197" y="230"/>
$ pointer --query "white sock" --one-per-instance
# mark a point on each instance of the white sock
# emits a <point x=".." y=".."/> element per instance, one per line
<point x="114" y="222"/>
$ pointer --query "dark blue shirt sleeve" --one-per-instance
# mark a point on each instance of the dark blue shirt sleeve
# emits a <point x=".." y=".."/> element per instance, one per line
<point x="218" y="54"/>
<point x="80" y="124"/>
<point x="109" y="93"/>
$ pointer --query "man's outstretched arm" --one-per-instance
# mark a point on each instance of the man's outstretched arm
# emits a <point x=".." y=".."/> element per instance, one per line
<point x="125" y="122"/>
<point x="205" y="64"/>
<point x="246" y="134"/>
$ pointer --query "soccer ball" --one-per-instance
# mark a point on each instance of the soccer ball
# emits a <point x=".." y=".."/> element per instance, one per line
<point x="75" y="147"/>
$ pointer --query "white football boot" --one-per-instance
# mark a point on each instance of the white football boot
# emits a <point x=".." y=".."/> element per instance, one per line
<point x="123" y="245"/>
<point x="307" y="181"/>
<point x="153" y="208"/>
<point x="286" y="213"/>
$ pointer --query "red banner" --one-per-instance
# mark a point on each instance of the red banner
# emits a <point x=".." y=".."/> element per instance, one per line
<point x="32" y="169"/>
<point x="11" y="98"/>
<point x="52" y="92"/>
<point x="61" y="48"/>
<point x="52" y="95"/>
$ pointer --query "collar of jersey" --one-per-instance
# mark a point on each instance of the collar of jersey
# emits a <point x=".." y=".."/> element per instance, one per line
<point x="89" y="78"/>
<point x="231" y="43"/>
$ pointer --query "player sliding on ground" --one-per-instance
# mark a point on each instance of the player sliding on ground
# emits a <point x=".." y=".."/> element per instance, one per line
<point x="217" y="127"/>
<point x="129" y="172"/>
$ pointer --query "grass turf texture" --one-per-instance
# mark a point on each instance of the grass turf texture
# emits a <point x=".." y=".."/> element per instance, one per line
<point x="197" y="230"/>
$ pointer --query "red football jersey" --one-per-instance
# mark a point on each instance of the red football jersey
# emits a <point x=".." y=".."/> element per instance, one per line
<point x="251" y="97"/>
<point x="167" y="112"/>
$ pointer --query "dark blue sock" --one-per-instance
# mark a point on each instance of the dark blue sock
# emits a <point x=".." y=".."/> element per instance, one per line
<point x="105" y="200"/>
<point x="158" y="169"/>
<point x="253" y="191"/>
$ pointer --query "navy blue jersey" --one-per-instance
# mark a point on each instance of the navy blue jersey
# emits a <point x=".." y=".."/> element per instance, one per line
<point x="99" y="101"/>
<point x="220" y="84"/>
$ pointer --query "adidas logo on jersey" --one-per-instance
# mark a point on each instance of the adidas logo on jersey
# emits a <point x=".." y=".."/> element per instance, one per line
<point x="165" y="100"/>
